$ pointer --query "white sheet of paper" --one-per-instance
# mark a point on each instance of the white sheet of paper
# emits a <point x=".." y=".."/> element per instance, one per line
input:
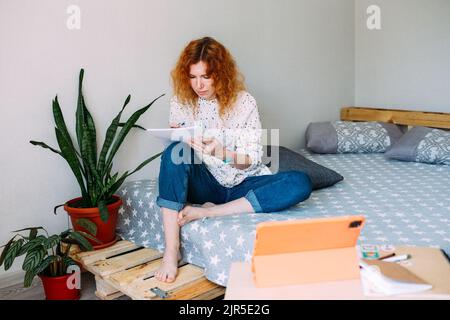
<point x="169" y="135"/>
<point x="376" y="284"/>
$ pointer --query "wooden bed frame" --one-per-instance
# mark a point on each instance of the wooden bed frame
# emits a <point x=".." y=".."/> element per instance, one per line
<point x="401" y="117"/>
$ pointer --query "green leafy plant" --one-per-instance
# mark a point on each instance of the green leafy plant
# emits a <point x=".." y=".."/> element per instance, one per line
<point x="44" y="253"/>
<point x="93" y="170"/>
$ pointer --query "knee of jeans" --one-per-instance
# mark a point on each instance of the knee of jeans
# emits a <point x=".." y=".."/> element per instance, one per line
<point x="175" y="153"/>
<point x="300" y="184"/>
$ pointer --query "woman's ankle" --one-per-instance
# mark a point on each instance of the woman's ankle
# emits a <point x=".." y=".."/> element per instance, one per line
<point x="173" y="249"/>
<point x="209" y="212"/>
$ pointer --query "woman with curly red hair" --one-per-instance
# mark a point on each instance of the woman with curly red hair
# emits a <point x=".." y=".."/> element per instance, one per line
<point x="221" y="170"/>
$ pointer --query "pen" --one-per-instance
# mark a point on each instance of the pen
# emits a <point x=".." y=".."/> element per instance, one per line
<point x="181" y="124"/>
<point x="388" y="256"/>
<point x="398" y="258"/>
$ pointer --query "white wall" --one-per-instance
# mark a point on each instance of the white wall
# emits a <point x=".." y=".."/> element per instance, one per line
<point x="297" y="57"/>
<point x="406" y="64"/>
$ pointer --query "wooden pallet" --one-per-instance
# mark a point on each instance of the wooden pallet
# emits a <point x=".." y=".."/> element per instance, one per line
<point x="126" y="269"/>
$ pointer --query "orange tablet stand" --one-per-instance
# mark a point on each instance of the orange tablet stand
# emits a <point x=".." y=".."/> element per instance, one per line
<point x="306" y="251"/>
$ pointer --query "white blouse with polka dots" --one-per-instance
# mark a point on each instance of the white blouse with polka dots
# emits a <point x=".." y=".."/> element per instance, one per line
<point x="239" y="130"/>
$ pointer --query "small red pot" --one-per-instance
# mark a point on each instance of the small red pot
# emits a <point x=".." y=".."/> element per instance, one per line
<point x="106" y="231"/>
<point x="56" y="288"/>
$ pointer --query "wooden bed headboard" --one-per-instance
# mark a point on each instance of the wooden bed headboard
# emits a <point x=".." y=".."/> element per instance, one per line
<point x="400" y="117"/>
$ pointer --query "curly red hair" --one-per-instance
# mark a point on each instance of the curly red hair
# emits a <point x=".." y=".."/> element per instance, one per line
<point x="228" y="81"/>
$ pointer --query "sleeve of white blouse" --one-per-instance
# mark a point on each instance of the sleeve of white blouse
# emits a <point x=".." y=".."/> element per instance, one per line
<point x="177" y="114"/>
<point x="248" y="139"/>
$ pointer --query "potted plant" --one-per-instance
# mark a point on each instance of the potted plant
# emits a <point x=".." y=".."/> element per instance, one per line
<point x="46" y="257"/>
<point x="92" y="171"/>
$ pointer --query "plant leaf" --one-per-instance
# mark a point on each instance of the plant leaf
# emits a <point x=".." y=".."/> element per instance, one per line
<point x="29" y="276"/>
<point x="64" y="234"/>
<point x="44" y="264"/>
<point x="80" y="124"/>
<point x="33" y="234"/>
<point x="89" y="153"/>
<point x="104" y="214"/>
<point x="87" y="224"/>
<point x="126" y="128"/>
<point x="119" y="182"/>
<point x="79" y="114"/>
<point x="81" y="241"/>
<point x="88" y="236"/>
<point x="33" y="258"/>
<point x="44" y="145"/>
<point x="5" y="251"/>
<point x="71" y="159"/>
<point x="12" y="252"/>
<point x="29" y="228"/>
<point x="30" y="246"/>
<point x="116" y="185"/>
<point x="56" y="208"/>
<point x="134" y="126"/>
<point x="61" y="125"/>
<point x="51" y="242"/>
<point x="109" y="138"/>
<point x="143" y="164"/>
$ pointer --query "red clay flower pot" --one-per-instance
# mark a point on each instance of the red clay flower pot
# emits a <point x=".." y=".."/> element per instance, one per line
<point x="56" y="288"/>
<point x="106" y="231"/>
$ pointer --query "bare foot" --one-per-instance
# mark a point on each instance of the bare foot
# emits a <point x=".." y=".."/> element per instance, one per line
<point x="167" y="271"/>
<point x="190" y="213"/>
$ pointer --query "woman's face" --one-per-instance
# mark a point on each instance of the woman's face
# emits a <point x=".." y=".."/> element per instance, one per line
<point x="201" y="83"/>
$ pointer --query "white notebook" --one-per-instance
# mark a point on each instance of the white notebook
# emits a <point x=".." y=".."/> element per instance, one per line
<point x="388" y="278"/>
<point x="169" y="135"/>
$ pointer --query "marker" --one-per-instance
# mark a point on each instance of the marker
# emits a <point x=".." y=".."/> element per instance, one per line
<point x="388" y="256"/>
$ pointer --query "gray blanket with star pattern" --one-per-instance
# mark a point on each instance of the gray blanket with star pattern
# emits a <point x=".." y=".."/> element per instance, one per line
<point x="404" y="204"/>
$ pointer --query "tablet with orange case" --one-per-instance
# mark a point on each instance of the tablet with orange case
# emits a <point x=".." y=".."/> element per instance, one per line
<point x="306" y="251"/>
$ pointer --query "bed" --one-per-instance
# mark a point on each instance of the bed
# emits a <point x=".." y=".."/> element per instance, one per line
<point x="404" y="203"/>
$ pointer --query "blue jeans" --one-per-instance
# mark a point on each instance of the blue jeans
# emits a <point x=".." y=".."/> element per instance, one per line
<point x="190" y="181"/>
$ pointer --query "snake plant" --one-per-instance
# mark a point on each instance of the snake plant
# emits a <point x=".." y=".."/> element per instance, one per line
<point x="93" y="170"/>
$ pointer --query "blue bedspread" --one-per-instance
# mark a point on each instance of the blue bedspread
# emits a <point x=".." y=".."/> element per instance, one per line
<point x="404" y="204"/>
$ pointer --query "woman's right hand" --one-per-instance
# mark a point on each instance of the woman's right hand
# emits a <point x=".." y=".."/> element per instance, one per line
<point x="174" y="125"/>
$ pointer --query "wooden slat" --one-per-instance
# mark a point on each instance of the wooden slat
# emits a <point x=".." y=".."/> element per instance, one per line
<point x="124" y="278"/>
<point x="109" y="266"/>
<point x="103" y="287"/>
<point x="201" y="289"/>
<point x="89" y="257"/>
<point x="140" y="290"/>
<point x="112" y="296"/>
<point x="215" y="293"/>
<point x="401" y="117"/>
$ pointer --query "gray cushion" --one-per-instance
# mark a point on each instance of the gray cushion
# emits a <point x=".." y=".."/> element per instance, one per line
<point x="422" y="144"/>
<point x="321" y="137"/>
<point x="321" y="177"/>
<point x="351" y="137"/>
